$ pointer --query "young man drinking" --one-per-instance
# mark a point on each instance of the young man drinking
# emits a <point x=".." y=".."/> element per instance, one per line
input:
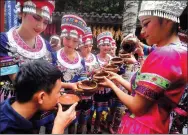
<point x="37" y="86"/>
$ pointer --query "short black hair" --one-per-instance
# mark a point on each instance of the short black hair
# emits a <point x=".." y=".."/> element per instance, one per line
<point x="33" y="77"/>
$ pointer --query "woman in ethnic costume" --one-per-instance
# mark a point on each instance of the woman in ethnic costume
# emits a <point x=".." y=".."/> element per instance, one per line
<point x="22" y="44"/>
<point x="69" y="60"/>
<point x="91" y="66"/>
<point x="101" y="98"/>
<point x="157" y="88"/>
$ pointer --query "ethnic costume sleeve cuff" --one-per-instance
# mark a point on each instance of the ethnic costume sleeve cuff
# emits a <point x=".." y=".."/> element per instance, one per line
<point x="8" y="66"/>
<point x="150" y="85"/>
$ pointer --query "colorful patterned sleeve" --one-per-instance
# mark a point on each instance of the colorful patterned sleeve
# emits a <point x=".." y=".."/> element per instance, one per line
<point x="3" y="44"/>
<point x="7" y="63"/>
<point x="161" y="68"/>
<point x="148" y="49"/>
<point x="53" y="54"/>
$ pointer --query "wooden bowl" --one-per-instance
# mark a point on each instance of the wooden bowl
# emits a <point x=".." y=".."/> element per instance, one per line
<point x="117" y="61"/>
<point x="99" y="76"/>
<point x="112" y="68"/>
<point x="129" y="45"/>
<point x="66" y="100"/>
<point x="88" y="88"/>
<point x="124" y="55"/>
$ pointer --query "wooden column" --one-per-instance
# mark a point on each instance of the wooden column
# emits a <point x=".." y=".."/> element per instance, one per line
<point x="2" y="15"/>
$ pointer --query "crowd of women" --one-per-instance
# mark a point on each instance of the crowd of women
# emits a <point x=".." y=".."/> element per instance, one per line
<point x="156" y="85"/>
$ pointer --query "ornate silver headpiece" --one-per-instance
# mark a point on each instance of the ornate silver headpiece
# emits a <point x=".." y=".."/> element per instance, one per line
<point x="166" y="9"/>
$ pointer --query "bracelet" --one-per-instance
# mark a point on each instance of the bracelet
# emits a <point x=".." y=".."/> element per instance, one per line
<point x="140" y="58"/>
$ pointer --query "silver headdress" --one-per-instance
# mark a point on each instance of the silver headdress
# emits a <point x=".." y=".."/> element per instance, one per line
<point x="30" y="6"/>
<point x="166" y="9"/>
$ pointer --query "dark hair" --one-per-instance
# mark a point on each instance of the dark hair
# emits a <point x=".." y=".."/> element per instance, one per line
<point x="20" y="18"/>
<point x="33" y="77"/>
<point x="175" y="26"/>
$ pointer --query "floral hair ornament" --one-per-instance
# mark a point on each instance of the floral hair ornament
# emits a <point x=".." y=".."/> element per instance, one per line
<point x="29" y="6"/>
<point x="73" y="26"/>
<point x="165" y="9"/>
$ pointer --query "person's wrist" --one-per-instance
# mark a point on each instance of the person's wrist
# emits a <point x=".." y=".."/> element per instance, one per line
<point x="113" y="86"/>
<point x="70" y="85"/>
<point x="121" y="80"/>
<point x="58" y="129"/>
<point x="118" y="78"/>
<point x="140" y="54"/>
<point x="140" y="57"/>
<point x="140" y="44"/>
<point x="140" y="51"/>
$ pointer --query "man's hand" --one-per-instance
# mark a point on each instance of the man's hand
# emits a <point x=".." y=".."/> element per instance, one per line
<point x="63" y="119"/>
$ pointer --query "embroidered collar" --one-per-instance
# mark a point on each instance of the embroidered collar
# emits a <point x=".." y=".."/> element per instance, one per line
<point x="22" y="44"/>
<point x="64" y="57"/>
<point x="64" y="61"/>
<point x="23" y="49"/>
<point x="103" y="61"/>
<point x="91" y="60"/>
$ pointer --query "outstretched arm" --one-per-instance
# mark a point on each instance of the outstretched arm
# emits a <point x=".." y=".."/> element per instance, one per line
<point x="120" y="80"/>
<point x="138" y="104"/>
<point x="73" y="86"/>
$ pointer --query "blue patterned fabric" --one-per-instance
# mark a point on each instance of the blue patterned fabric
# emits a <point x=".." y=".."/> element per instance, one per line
<point x="11" y="122"/>
<point x="11" y="19"/>
<point x="122" y="70"/>
<point x="101" y="106"/>
<point x="148" y="49"/>
<point x="9" y="70"/>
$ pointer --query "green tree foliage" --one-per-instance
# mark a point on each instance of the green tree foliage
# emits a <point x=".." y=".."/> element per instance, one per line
<point x="87" y="6"/>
